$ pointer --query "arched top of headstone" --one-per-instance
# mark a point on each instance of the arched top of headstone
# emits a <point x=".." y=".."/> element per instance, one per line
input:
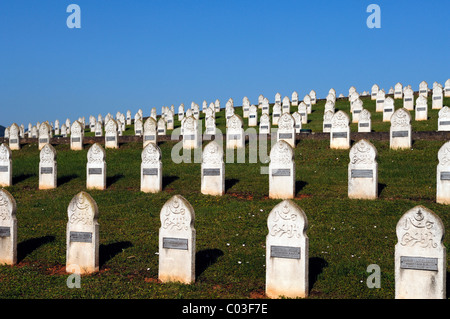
<point x="76" y="128"/>
<point x="297" y="117"/>
<point x="357" y="104"/>
<point x="276" y="108"/>
<point x="420" y="228"/>
<point x="375" y="87"/>
<point x="398" y="86"/>
<point x="437" y="90"/>
<point x="235" y="122"/>
<point x="294" y="95"/>
<point x="444" y="113"/>
<point x="7" y="206"/>
<point x="423" y="85"/>
<point x="161" y="122"/>
<point x="401" y="118"/>
<point x="286" y="100"/>
<point x="48" y="154"/>
<point x="44" y="129"/>
<point x="82" y="210"/>
<point x="281" y="153"/>
<point x="13" y="130"/>
<point x="307" y="99"/>
<point x="363" y="152"/>
<point x="444" y="154"/>
<point x="340" y="120"/>
<point x="381" y="94"/>
<point x="389" y="102"/>
<point x="177" y="215"/>
<point x="189" y="123"/>
<point x="96" y="154"/>
<point x="408" y="91"/>
<point x="302" y="106"/>
<point x="5" y="153"/>
<point x="212" y="153"/>
<point x="421" y="100"/>
<point x="150" y="125"/>
<point x="265" y="118"/>
<point x="286" y="122"/>
<point x="253" y="108"/>
<point x="364" y="115"/>
<point x="151" y="154"/>
<point x="328" y="115"/>
<point x="111" y="126"/>
<point x="312" y="93"/>
<point x="287" y="220"/>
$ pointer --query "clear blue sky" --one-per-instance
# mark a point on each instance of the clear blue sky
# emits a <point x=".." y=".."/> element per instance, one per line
<point x="146" y="53"/>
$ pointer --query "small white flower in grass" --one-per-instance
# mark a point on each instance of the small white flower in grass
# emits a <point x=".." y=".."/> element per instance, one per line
<point x="243" y="245"/>
<point x="239" y="262"/>
<point x="228" y="244"/>
<point x="261" y="210"/>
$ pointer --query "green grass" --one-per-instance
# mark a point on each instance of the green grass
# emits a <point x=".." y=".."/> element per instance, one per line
<point x="345" y="236"/>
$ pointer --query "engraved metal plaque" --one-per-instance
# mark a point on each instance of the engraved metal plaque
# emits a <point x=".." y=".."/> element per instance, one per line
<point x="327" y="125"/>
<point x="211" y="172"/>
<point x="175" y="243"/>
<point x="281" y="172"/>
<point x="149" y="137"/>
<point x="445" y="176"/>
<point x="5" y="231"/>
<point x="4" y="169"/>
<point x="13" y="141"/>
<point x="437" y="97"/>
<point x="361" y="173"/>
<point x="276" y="115"/>
<point x="400" y="134"/>
<point x="80" y="237"/>
<point x="363" y="124"/>
<point x="234" y="136"/>
<point x="46" y="170"/>
<point x="138" y="132"/>
<point x="110" y="138"/>
<point x="418" y="263"/>
<point x="444" y="123"/>
<point x="387" y="110"/>
<point x="189" y="137"/>
<point x="356" y="111"/>
<point x="421" y="109"/>
<point x="95" y="171"/>
<point x="339" y="134"/>
<point x="447" y="90"/>
<point x="150" y="171"/>
<point x="303" y="114"/>
<point x="264" y="127"/>
<point x="98" y="133"/>
<point x="408" y="99"/>
<point x="374" y="94"/>
<point x="380" y="101"/>
<point x="161" y="131"/>
<point x="423" y="91"/>
<point x="285" y="252"/>
<point x="285" y="135"/>
<point x="252" y="116"/>
<point x="43" y="140"/>
<point x="76" y="139"/>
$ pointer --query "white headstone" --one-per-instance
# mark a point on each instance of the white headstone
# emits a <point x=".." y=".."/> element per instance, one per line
<point x="329" y="106"/>
<point x="286" y="129"/>
<point x="363" y="171"/>
<point x="5" y="166"/>
<point x="444" y="119"/>
<point x="96" y="168"/>
<point x="340" y="131"/>
<point x="298" y="121"/>
<point x="235" y="132"/>
<point x="150" y="131"/>
<point x="423" y="89"/>
<point x="303" y="110"/>
<point x="420" y="256"/>
<point x="111" y="134"/>
<point x="180" y="112"/>
<point x="210" y="125"/>
<point x="191" y="135"/>
<point x="381" y="95"/>
<point x="408" y="99"/>
<point x="443" y="175"/>
<point x="138" y="128"/>
<point x="82" y="235"/>
<point x="365" y="122"/>
<point x="278" y="98"/>
<point x="388" y="109"/>
<point x="276" y="113"/>
<point x="44" y="134"/>
<point x="48" y="167"/>
<point x="8" y="228"/>
<point x="357" y="107"/>
<point x="245" y="107"/>
<point x="286" y="105"/>
<point x="213" y="170"/>
<point x="421" y="113"/>
<point x="282" y="171"/>
<point x="264" y="124"/>
<point x="294" y="98"/>
<point x="398" y="91"/>
<point x="313" y="96"/>
<point x="253" y="116"/>
<point x="177" y="241"/>
<point x="327" y="117"/>
<point x="161" y="126"/>
<point x="14" y="138"/>
<point x="287" y="252"/>
<point x="265" y="106"/>
<point x="76" y="136"/>
<point x="307" y="101"/>
<point x="151" y="169"/>
<point x="400" y="130"/>
<point x="438" y="98"/>
<point x="447" y="88"/>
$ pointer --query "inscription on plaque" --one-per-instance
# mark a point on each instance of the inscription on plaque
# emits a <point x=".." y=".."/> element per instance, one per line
<point x="423" y="91"/>
<point x="437" y="97"/>
<point x="363" y="124"/>
<point x="160" y="130"/>
<point x="175" y="243"/>
<point x="327" y="125"/>
<point x="138" y="132"/>
<point x="211" y="171"/>
<point x="149" y="137"/>
<point x="43" y="140"/>
<point x="13" y="141"/>
<point x="380" y="101"/>
<point x="110" y="138"/>
<point x="75" y="139"/>
<point x="95" y="170"/>
<point x="445" y="176"/>
<point x="285" y="252"/>
<point x="264" y="127"/>
<point x="400" y="134"/>
<point x="80" y="237"/>
<point x="444" y="122"/>
<point x="408" y="99"/>
<point x="339" y="134"/>
<point x="46" y="170"/>
<point x="3" y="169"/>
<point x="356" y="111"/>
<point x="281" y="172"/>
<point x="5" y="231"/>
<point x="150" y="171"/>
<point x="252" y="116"/>
<point x="98" y="133"/>
<point x="234" y="136"/>
<point x="361" y="173"/>
<point x="285" y="135"/>
<point x="418" y="263"/>
<point x="189" y="137"/>
<point x="387" y="110"/>
<point x="276" y="115"/>
<point x="421" y="109"/>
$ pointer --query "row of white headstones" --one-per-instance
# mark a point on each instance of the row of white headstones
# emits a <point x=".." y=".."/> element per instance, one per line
<point x="420" y="256"/>
<point x="362" y="170"/>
